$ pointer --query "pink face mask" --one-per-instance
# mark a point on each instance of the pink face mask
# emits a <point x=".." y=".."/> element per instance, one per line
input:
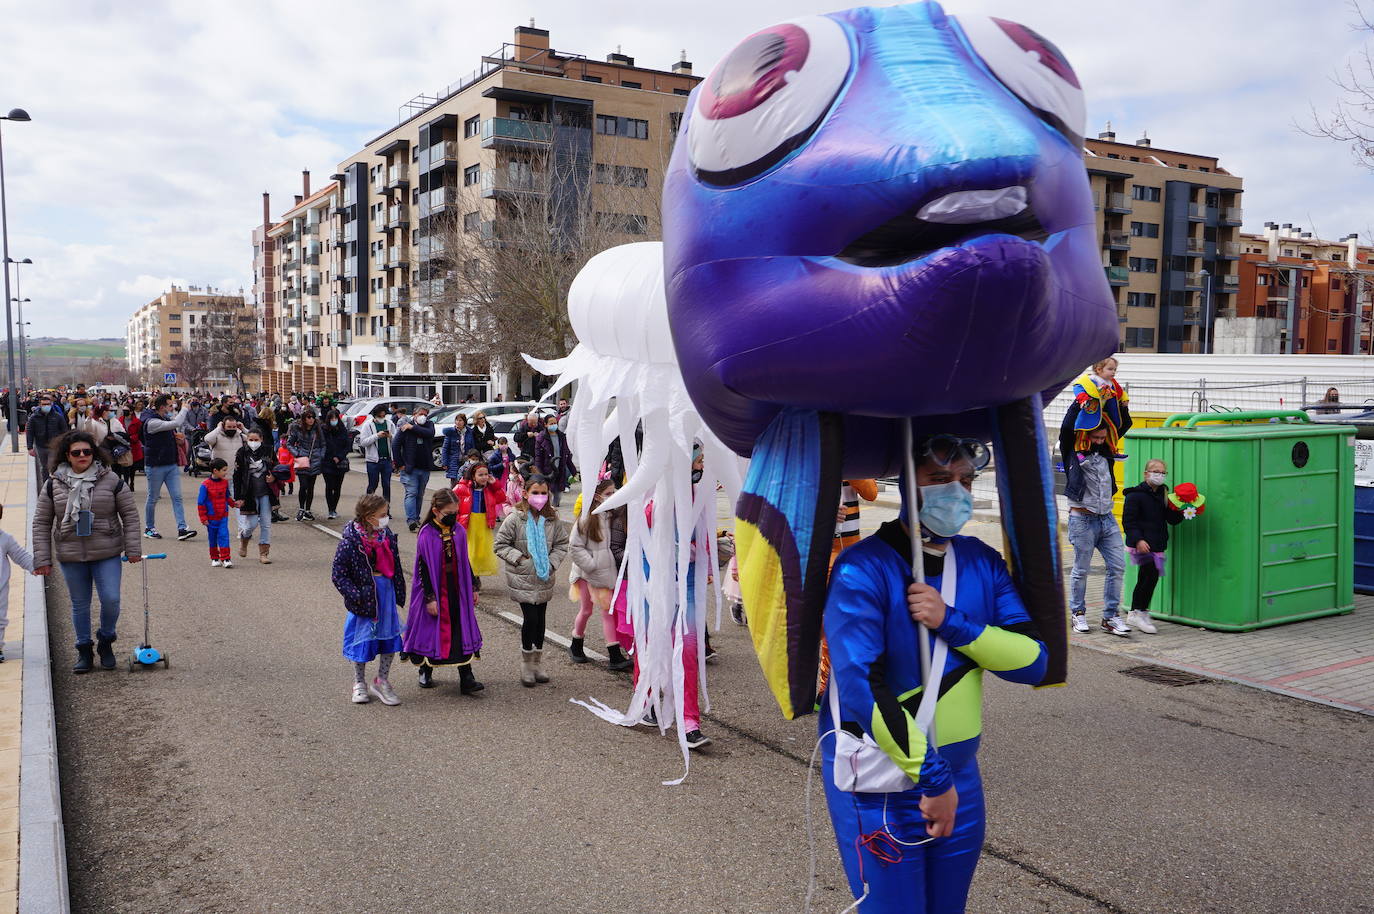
<point x="537" y="502"/>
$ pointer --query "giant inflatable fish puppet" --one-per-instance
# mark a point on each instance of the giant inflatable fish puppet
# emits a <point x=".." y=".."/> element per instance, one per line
<point x="875" y="216"/>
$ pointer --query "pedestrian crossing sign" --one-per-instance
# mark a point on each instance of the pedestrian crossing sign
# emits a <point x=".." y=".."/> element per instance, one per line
<point x="169" y="377"/>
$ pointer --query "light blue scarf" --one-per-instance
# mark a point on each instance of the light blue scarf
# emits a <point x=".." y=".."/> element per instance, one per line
<point x="538" y="544"/>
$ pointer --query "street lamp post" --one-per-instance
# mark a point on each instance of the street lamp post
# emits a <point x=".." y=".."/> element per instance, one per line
<point x="16" y="114"/>
<point x="1207" y="330"/>
<point x="19" y="300"/>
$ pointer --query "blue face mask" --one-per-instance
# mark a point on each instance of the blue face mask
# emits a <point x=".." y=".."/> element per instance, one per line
<point x="946" y="508"/>
<point x="45" y="408"/>
<point x="553" y="427"/>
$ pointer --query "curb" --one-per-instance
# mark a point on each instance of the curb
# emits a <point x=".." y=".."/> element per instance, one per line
<point x="42" y="840"/>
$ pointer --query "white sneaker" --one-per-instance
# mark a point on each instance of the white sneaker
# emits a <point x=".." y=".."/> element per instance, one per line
<point x="360" y="694"/>
<point x="381" y="690"/>
<point x="1114" y="626"/>
<point x="214" y="563"/>
<point x="228" y="563"/>
<point x="1140" y="618"/>
<point x="1080" y="623"/>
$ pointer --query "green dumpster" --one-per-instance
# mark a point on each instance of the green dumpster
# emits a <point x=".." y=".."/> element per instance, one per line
<point x="1275" y="543"/>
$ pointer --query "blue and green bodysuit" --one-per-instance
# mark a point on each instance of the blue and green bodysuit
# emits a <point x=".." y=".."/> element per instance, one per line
<point x="875" y="664"/>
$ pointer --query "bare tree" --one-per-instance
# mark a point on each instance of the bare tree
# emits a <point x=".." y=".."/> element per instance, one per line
<point x="192" y="363"/>
<point x="495" y="268"/>
<point x="1351" y="118"/>
<point x="230" y="333"/>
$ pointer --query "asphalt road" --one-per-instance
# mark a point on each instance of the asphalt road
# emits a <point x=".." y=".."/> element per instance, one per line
<point x="243" y="779"/>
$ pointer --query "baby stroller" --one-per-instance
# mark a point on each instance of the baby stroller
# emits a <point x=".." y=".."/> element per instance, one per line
<point x="200" y="455"/>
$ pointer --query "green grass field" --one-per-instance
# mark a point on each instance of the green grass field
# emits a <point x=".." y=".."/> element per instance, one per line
<point x="74" y="350"/>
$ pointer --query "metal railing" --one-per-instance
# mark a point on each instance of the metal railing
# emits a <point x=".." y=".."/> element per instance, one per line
<point x="1118" y="239"/>
<point x="1195" y="245"/>
<point x="1232" y="214"/>
<point x="1119" y="202"/>
<point x="1192" y="280"/>
<point x="1118" y="274"/>
<point x="507" y="128"/>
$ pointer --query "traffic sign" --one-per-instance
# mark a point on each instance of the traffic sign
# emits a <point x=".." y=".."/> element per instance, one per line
<point x="169" y="377"/>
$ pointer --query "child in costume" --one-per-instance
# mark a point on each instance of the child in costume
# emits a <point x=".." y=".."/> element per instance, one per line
<point x="598" y="547"/>
<point x="367" y="571"/>
<point x="882" y="825"/>
<point x="441" y="626"/>
<point x="213" y="507"/>
<point x="1146" y="519"/>
<point x="1099" y="400"/>
<point x="479" y="510"/>
<point x="532" y="543"/>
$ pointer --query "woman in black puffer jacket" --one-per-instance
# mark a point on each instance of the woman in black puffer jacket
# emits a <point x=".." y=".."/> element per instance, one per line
<point x="338" y="444"/>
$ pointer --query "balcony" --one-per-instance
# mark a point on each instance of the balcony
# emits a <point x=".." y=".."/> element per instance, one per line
<point x="1192" y="280"/>
<point x="1194" y="245"/>
<point x="1279" y="312"/>
<point x="1117" y="241"/>
<point x="397" y="295"/>
<point x="291" y="294"/>
<point x="444" y="199"/>
<point x="397" y="258"/>
<point x="1226" y="314"/>
<point x="1118" y="276"/>
<point x="398" y="178"/>
<point x="395" y="335"/>
<point x="509" y="182"/>
<point x="441" y="154"/>
<point x="1229" y="283"/>
<point x="1196" y="212"/>
<point x="505" y="131"/>
<point x="1120" y="315"/>
<point x="1229" y="250"/>
<point x="350" y="303"/>
<point x="1118" y="203"/>
<point x="310" y="230"/>
<point x="397" y="218"/>
<point x="1192" y="315"/>
<point x="1230" y="215"/>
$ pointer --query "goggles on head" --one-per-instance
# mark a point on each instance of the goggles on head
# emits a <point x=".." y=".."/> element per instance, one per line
<point x="947" y="449"/>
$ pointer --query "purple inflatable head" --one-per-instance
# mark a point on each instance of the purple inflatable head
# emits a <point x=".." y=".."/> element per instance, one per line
<point x="882" y="213"/>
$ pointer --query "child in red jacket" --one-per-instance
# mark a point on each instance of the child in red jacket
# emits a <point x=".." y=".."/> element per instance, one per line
<point x="213" y="506"/>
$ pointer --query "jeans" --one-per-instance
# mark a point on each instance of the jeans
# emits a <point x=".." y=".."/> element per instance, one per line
<point x="1089" y="532"/>
<point x="414" y="482"/>
<point x="169" y="475"/>
<point x="262" y="521"/>
<point x="104" y="574"/>
<point x="379" y="471"/>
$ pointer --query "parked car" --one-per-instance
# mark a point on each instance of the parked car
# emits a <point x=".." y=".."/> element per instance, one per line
<point x="504" y="424"/>
<point x="360" y="409"/>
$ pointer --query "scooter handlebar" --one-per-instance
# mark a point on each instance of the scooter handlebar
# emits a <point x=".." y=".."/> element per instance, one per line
<point x="156" y="555"/>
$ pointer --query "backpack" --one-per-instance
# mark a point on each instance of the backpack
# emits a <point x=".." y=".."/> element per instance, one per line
<point x="121" y="448"/>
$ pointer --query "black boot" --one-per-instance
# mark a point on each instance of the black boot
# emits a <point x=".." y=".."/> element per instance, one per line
<point x="107" y="658"/>
<point x="618" y="661"/>
<point x="575" y="651"/>
<point x="84" y="655"/>
<point x="467" y="681"/>
<point x="426" y="676"/>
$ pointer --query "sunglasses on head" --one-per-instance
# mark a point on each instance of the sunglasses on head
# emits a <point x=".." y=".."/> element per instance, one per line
<point x="947" y="449"/>
<point x="82" y="452"/>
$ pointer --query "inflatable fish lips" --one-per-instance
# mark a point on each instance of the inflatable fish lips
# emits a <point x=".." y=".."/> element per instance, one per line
<point x="882" y="212"/>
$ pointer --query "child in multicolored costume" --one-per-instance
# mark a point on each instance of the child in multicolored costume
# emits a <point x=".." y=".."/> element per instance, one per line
<point x="367" y="571"/>
<point x="1100" y="399"/>
<point x="872" y="618"/>
<point x="441" y="626"/>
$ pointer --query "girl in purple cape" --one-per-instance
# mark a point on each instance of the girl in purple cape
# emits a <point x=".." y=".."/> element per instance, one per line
<point x="441" y="627"/>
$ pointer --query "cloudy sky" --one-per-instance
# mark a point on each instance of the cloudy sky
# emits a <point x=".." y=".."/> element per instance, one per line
<point x="158" y="124"/>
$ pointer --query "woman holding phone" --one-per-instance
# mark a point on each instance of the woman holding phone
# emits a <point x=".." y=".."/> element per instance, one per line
<point x="86" y="519"/>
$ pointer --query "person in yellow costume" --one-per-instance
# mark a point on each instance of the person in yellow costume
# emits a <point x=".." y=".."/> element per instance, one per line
<point x="1098" y="400"/>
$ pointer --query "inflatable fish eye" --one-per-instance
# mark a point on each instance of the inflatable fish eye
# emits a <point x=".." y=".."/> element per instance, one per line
<point x="1032" y="69"/>
<point x="766" y="98"/>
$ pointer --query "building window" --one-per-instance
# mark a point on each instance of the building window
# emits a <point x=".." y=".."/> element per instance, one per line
<point x="627" y="84"/>
<point x="682" y="91"/>
<point x="1305" y="281"/>
<point x="1144" y="192"/>
<point x="1330" y="345"/>
<point x="1262" y="279"/>
<point x="610" y="125"/>
<point x="1288" y="252"/>
<point x="1335" y="284"/>
<point x="1140" y="299"/>
<point x="1302" y="344"/>
<point x="471" y="175"/>
<point x="472" y="221"/>
<point x="629" y="224"/>
<point x="587" y="78"/>
<point x="1145" y="229"/>
<point x="1144" y="265"/>
<point x="1140" y="337"/>
<point x="622" y="175"/>
<point x="471" y="127"/>
<point x="674" y="123"/>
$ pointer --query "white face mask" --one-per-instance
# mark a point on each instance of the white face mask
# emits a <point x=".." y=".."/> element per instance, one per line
<point x="1156" y="479"/>
<point x="254" y="445"/>
<point x="422" y="419"/>
<point x="384" y="523"/>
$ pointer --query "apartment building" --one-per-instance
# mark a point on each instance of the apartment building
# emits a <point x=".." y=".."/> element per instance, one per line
<point x="265" y="287"/>
<point x="468" y="155"/>
<point x="176" y="321"/>
<point x="1302" y="294"/>
<point x="301" y="336"/>
<point x="1169" y="223"/>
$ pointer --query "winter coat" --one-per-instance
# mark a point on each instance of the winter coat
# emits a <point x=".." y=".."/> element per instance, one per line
<point x="525" y="436"/>
<point x="303" y="442"/>
<point x="196" y="417"/>
<point x="115" y="526"/>
<point x="42" y="428"/>
<point x="512" y="548"/>
<point x="338" y="445"/>
<point x="485" y="438"/>
<point x="352" y="572"/>
<point x="1075" y="483"/>
<point x="415" y="446"/>
<point x="595" y="563"/>
<point x="556" y="471"/>
<point x="223" y="445"/>
<point x="454" y="451"/>
<point x="1145" y="516"/>
<point x="134" y="426"/>
<point x="243" y="483"/>
<point x="368" y="437"/>
<point x="494" y="499"/>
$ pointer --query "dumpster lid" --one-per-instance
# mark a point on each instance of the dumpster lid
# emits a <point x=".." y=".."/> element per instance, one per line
<point x="1246" y="424"/>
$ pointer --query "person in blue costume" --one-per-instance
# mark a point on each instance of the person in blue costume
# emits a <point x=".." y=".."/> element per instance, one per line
<point x="914" y="850"/>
